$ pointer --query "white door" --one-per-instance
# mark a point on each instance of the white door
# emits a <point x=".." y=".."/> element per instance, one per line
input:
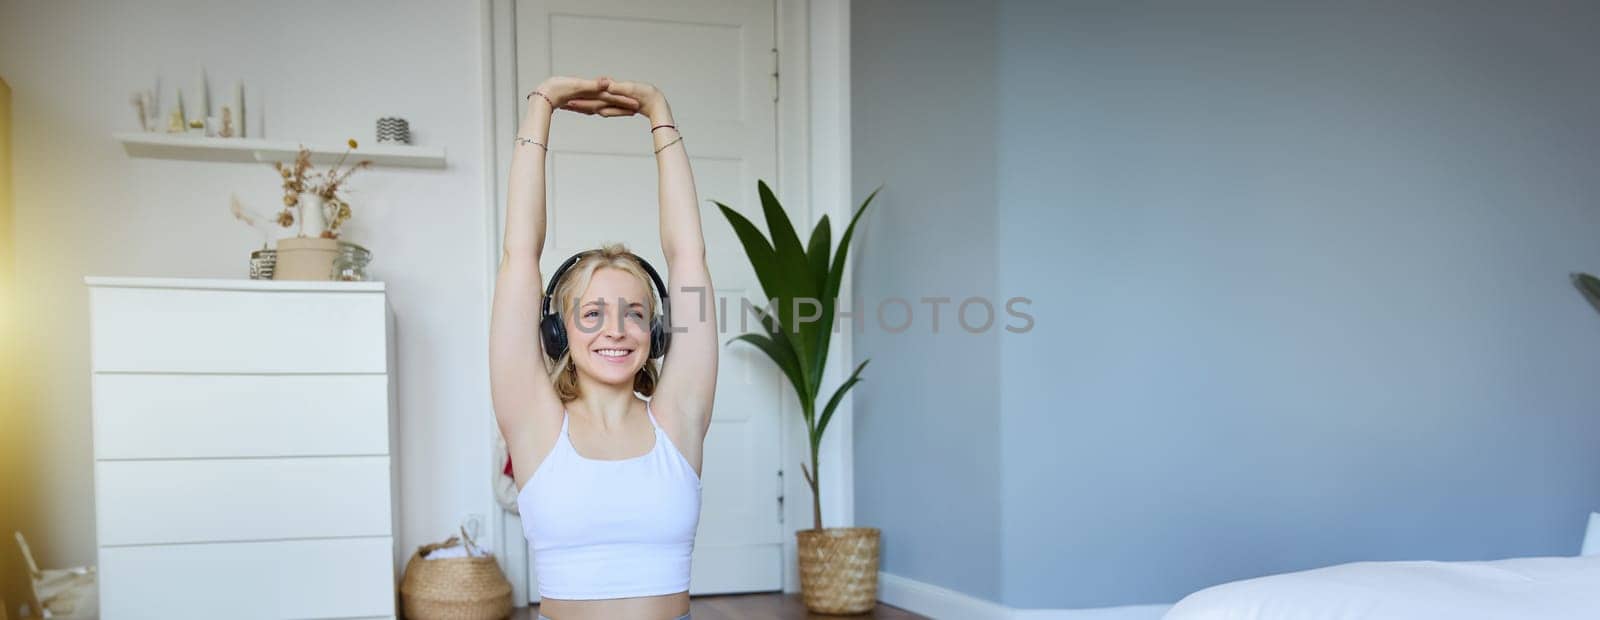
<point x="714" y="60"/>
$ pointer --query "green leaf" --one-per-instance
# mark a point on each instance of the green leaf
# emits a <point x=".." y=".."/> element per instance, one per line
<point x="782" y="355"/>
<point x="1589" y="286"/>
<point x="817" y="254"/>
<point x="830" y="291"/>
<point x="791" y="264"/>
<point x="791" y="257"/>
<point x="802" y="382"/>
<point x="836" y="274"/>
<point x="808" y="382"/>
<point x="763" y="259"/>
<point x="833" y="403"/>
<point x="819" y="251"/>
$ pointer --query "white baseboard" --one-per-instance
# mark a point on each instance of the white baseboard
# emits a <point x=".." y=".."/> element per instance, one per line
<point x="936" y="602"/>
<point x="940" y="603"/>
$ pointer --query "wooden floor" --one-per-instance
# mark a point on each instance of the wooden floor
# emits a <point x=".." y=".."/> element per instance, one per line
<point x="745" y="606"/>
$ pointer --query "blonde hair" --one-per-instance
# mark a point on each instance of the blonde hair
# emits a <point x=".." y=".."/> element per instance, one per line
<point x="563" y="373"/>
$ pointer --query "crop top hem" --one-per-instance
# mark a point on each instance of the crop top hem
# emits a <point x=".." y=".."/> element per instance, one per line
<point x="599" y="597"/>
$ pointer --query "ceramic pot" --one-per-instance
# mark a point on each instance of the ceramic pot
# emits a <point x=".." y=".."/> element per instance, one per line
<point x="305" y="258"/>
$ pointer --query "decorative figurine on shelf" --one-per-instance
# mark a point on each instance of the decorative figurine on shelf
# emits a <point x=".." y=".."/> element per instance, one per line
<point x="238" y="109"/>
<point x="176" y="121"/>
<point x="200" y="107"/>
<point x="226" y="131"/>
<point x="393" y="131"/>
<point x="144" y="102"/>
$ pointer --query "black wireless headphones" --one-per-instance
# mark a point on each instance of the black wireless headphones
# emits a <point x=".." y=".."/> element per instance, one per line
<point x="554" y="332"/>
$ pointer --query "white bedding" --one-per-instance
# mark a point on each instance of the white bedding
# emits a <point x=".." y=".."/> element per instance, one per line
<point x="1520" y="588"/>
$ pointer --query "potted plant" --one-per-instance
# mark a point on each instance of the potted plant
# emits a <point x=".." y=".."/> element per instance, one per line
<point x="838" y="566"/>
<point x="318" y="199"/>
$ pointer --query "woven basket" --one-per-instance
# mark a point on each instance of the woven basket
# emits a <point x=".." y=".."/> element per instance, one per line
<point x="839" y="569"/>
<point x="469" y="588"/>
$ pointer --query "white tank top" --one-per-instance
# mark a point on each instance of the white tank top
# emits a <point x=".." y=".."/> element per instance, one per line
<point x="604" y="529"/>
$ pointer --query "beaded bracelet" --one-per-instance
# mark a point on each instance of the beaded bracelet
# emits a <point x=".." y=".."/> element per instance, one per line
<point x="521" y="140"/>
<point x="541" y="96"/>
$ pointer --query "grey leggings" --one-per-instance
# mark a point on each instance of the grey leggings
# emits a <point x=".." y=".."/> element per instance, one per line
<point x="682" y="617"/>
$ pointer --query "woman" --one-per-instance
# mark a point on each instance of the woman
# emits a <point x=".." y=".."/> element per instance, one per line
<point x="609" y="484"/>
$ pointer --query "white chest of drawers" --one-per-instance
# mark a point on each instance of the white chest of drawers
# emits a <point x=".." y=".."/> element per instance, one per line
<point x="244" y="439"/>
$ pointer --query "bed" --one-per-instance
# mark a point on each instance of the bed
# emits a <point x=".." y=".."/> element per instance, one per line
<point x="1521" y="588"/>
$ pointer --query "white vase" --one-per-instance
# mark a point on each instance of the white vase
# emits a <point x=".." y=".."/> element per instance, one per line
<point x="312" y="219"/>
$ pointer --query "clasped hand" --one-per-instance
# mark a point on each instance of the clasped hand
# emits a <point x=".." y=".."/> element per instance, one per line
<point x="602" y="96"/>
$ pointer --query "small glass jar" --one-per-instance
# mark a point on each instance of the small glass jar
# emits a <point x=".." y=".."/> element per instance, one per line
<point x="351" y="263"/>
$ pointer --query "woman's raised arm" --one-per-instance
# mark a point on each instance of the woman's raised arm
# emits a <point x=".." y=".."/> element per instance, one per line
<point x="689" y="373"/>
<point x="519" y="384"/>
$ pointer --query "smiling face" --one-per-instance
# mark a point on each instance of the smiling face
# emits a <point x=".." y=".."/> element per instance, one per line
<point x="608" y="336"/>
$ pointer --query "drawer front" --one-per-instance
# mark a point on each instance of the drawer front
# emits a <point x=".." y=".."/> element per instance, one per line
<point x="340" y="578"/>
<point x="140" y="416"/>
<point x="198" y="330"/>
<point x="222" y="500"/>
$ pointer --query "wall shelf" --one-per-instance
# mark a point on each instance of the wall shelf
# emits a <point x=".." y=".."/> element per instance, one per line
<point x="167" y="146"/>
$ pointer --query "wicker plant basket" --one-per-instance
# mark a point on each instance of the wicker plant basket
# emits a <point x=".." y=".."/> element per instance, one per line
<point x="469" y="588"/>
<point x="839" y="569"/>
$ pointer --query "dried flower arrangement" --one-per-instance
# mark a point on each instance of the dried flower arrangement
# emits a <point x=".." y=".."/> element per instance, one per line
<point x="299" y="178"/>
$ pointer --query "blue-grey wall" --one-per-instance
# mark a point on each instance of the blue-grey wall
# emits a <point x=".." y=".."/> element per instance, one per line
<point x="1300" y="279"/>
<point x="927" y="464"/>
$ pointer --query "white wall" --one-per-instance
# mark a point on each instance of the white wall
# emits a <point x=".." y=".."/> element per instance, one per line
<point x="323" y="72"/>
